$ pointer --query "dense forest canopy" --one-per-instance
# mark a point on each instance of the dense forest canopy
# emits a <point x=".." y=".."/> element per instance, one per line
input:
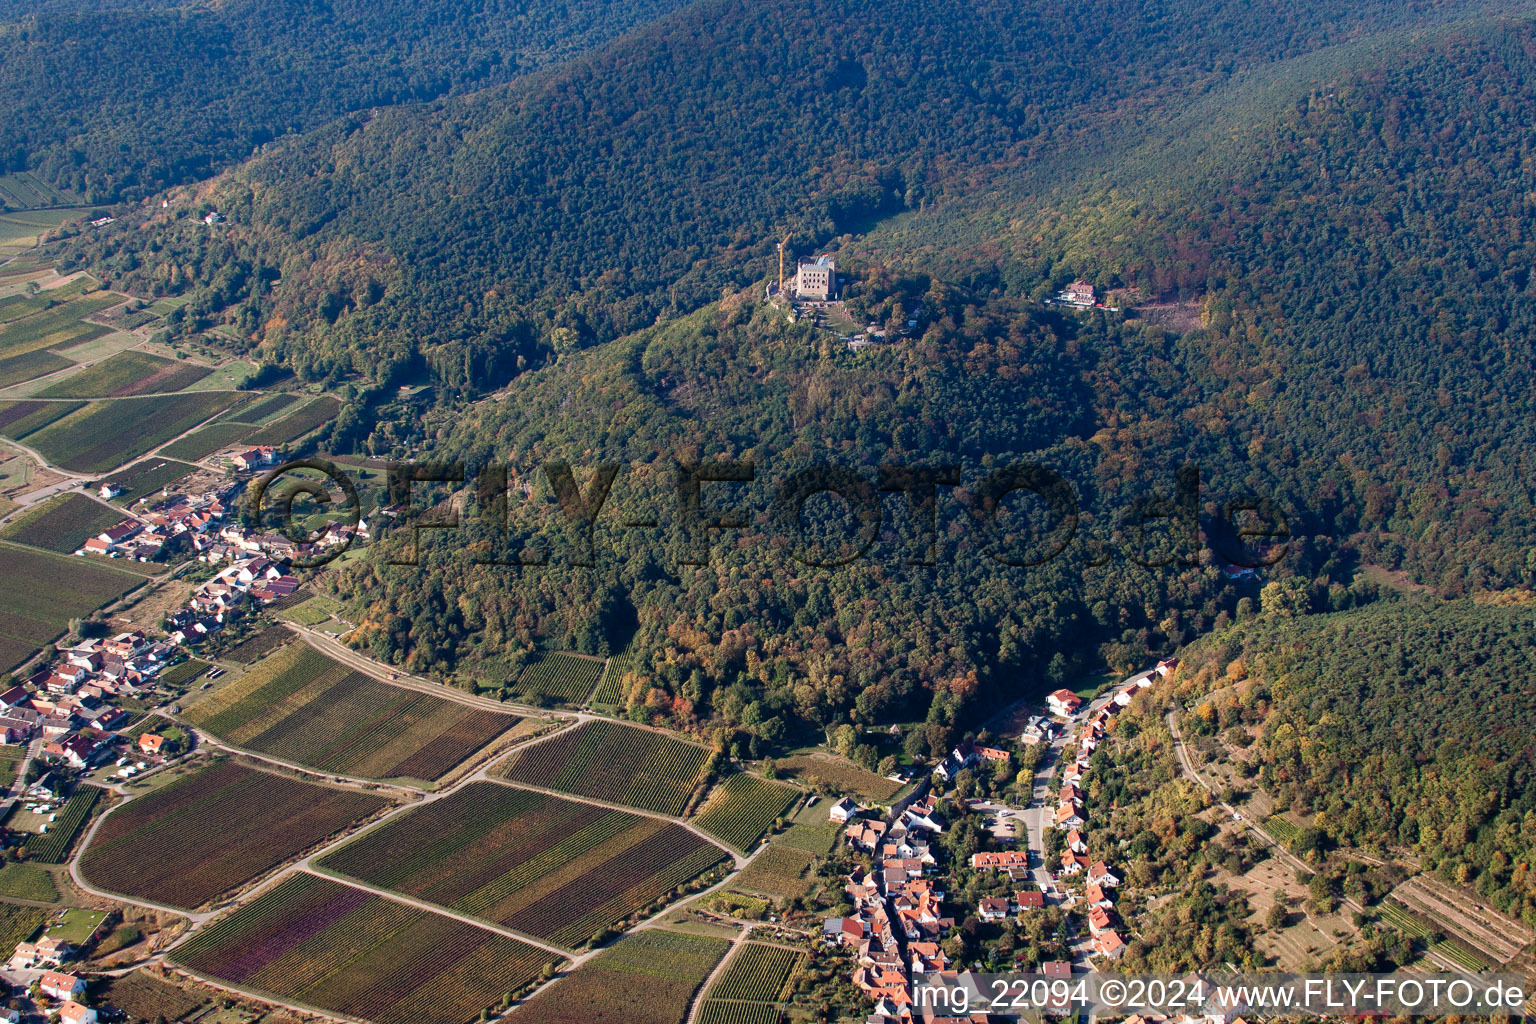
<point x="117" y="101"/>
<point x="1322" y="213"/>
<point x="583" y="202"/>
<point x="1400" y="725"/>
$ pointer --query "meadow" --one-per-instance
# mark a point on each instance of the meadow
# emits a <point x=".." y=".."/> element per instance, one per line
<point x="62" y="523"/>
<point x="213" y="830"/>
<point x="106" y="434"/>
<point x="648" y="977"/>
<point x="302" y="707"/>
<point x="556" y="869"/>
<point x="618" y="763"/>
<point x="127" y="373"/>
<point x="567" y="678"/>
<point x="350" y="953"/>
<point x="743" y="807"/>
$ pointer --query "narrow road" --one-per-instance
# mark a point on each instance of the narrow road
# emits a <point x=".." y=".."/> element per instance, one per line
<point x="1194" y="776"/>
<point x="305" y="866"/>
<point x="714" y="975"/>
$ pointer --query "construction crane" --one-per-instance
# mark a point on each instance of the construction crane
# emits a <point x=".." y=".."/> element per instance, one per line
<point x="781" y="261"/>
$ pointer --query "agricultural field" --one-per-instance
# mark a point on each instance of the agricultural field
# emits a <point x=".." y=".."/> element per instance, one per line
<point x="648" y="977"/>
<point x="567" y="678"/>
<point x="314" y="611"/>
<point x="839" y="776"/>
<point x="30" y="365"/>
<point x="713" y="1011"/>
<point x="261" y="410"/>
<point x="143" y="996"/>
<point x="541" y="865"/>
<point x="19" y="924"/>
<point x="127" y="373"/>
<point x="1282" y="829"/>
<point x="145" y="478"/>
<point x="817" y="837"/>
<point x="28" y="882"/>
<point x="298" y="423"/>
<point x="778" y="871"/>
<point x="41" y="592"/>
<point x="44" y="322"/>
<point x="610" y="691"/>
<point x="302" y="707"/>
<point x="350" y="953"/>
<point x="204" y="442"/>
<point x="257" y="646"/>
<point x="182" y="673"/>
<point x="62" y="523"/>
<point x="11" y="757"/>
<point x="54" y="847"/>
<point x="743" y="807"/>
<point x="18" y="419"/>
<point x="213" y="830"/>
<point x="757" y="973"/>
<point x="107" y="434"/>
<point x="619" y="763"/>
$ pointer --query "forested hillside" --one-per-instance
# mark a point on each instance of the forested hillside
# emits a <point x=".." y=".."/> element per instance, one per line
<point x="481" y="233"/>
<point x="1406" y="725"/>
<point x="118" y="100"/>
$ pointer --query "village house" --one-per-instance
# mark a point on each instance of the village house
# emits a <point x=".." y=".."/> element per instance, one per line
<point x="993" y="754"/>
<point x="61" y="986"/>
<point x="1099" y="874"/>
<point x="842" y="811"/>
<point x="1095" y="896"/>
<point x="1079" y="294"/>
<point x="1070" y="816"/>
<point x="1064" y="703"/>
<point x="994" y="908"/>
<point x="1029" y="899"/>
<point x="1000" y="860"/>
<point x="75" y="1013"/>
<point x="1072" y="863"/>
<point x="1109" y="945"/>
<point x="1076" y="843"/>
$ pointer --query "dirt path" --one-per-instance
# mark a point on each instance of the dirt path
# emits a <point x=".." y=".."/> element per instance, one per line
<point x="714" y="975"/>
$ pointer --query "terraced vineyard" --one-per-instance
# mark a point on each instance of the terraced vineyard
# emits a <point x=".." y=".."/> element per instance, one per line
<point x="298" y="423"/>
<point x="561" y="870"/>
<point x="611" y="691"/>
<point x="743" y="807"/>
<point x="618" y="763"/>
<point x="568" y="678"/>
<point x="648" y="977"/>
<point x="347" y="952"/>
<point x="145" y="997"/>
<point x="1283" y="829"/>
<point x="106" y="434"/>
<point x="53" y="847"/>
<point x="713" y="1011"/>
<point x="300" y="706"/>
<point x="128" y="373"/>
<point x="258" y="645"/>
<point x="757" y="973"/>
<point x="209" y="832"/>
<point x="776" y="871"/>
